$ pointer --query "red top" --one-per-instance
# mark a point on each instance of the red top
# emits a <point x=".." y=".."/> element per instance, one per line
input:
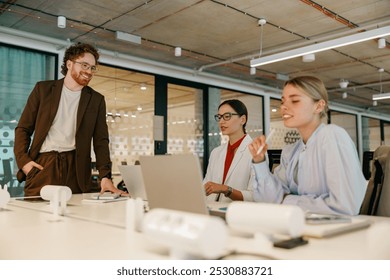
<point x="230" y="156"/>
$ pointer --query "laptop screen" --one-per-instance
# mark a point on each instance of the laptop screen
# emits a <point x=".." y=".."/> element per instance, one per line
<point x="174" y="182"/>
<point x="133" y="179"/>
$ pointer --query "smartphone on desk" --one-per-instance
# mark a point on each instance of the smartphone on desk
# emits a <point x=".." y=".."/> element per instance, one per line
<point x="319" y="219"/>
<point x="33" y="199"/>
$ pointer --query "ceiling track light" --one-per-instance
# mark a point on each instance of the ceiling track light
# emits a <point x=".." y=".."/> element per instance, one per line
<point x="345" y="95"/>
<point x="323" y="46"/>
<point x="381" y="96"/>
<point x="253" y="71"/>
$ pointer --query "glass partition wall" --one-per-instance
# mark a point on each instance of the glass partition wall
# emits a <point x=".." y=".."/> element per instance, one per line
<point x="20" y="69"/>
<point x="346" y="121"/>
<point x="129" y="99"/>
<point x="185" y="120"/>
<point x="282" y="135"/>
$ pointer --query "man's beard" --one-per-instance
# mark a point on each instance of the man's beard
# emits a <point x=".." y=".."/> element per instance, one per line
<point x="80" y="79"/>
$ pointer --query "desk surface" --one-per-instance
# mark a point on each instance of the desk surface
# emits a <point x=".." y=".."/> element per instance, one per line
<point x="111" y="213"/>
<point x="97" y="231"/>
<point x="28" y="234"/>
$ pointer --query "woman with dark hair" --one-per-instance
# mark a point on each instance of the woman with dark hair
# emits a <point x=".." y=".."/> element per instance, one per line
<point x="229" y="175"/>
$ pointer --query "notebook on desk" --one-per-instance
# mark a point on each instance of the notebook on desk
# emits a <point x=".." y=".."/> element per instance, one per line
<point x="175" y="182"/>
<point x="133" y="179"/>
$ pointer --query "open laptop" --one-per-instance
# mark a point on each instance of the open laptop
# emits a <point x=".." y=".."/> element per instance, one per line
<point x="133" y="179"/>
<point x="175" y="182"/>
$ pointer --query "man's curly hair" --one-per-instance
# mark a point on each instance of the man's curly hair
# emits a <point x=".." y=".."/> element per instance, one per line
<point x="75" y="51"/>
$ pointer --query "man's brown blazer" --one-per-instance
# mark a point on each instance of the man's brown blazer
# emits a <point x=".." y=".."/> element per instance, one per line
<point x="38" y="116"/>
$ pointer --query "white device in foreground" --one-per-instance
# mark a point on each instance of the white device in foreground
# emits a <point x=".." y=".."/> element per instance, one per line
<point x="134" y="214"/>
<point x="187" y="235"/>
<point x="58" y="196"/>
<point x="4" y="196"/>
<point x="266" y="218"/>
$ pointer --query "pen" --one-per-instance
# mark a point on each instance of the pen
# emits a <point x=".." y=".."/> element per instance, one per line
<point x="266" y="140"/>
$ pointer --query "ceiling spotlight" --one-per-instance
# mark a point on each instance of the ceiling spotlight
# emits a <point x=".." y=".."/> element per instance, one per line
<point x="262" y="21"/>
<point x="345" y="95"/>
<point x="343" y="83"/>
<point x="253" y="70"/>
<point x="61" y="21"/>
<point x="139" y="108"/>
<point x="381" y="43"/>
<point x="142" y="87"/>
<point x="177" y="51"/>
<point x="309" y="57"/>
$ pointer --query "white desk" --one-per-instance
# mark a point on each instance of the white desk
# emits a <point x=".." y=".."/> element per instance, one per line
<point x="112" y="213"/>
<point x="97" y="231"/>
<point x="361" y="244"/>
<point x="27" y="234"/>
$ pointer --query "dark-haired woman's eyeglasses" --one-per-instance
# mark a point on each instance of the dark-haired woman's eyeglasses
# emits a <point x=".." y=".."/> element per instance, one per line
<point x="225" y="116"/>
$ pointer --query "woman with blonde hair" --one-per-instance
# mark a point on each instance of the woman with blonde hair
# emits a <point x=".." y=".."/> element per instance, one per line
<point x="321" y="172"/>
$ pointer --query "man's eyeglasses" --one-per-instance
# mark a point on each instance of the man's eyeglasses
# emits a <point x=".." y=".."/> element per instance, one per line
<point x="85" y="66"/>
<point x="225" y="116"/>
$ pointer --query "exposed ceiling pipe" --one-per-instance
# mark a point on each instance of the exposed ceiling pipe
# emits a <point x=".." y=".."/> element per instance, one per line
<point x="329" y="13"/>
<point x="359" y="86"/>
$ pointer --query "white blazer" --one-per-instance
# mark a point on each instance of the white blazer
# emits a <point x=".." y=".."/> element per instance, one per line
<point x="240" y="175"/>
